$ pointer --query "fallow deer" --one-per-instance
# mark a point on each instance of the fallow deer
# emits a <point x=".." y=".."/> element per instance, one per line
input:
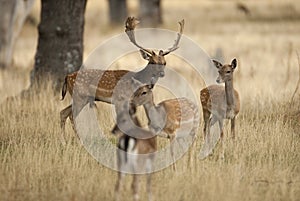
<point x="173" y="118"/>
<point x="99" y="85"/>
<point x="219" y="102"/>
<point x="134" y="155"/>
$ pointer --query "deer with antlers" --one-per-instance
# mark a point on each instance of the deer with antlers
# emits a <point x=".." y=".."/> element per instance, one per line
<point x="219" y="102"/>
<point x="99" y="85"/>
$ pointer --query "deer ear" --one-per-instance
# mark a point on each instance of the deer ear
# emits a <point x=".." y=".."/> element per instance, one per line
<point x="150" y="86"/>
<point x="145" y="55"/>
<point x="217" y="64"/>
<point x="136" y="82"/>
<point x="233" y="63"/>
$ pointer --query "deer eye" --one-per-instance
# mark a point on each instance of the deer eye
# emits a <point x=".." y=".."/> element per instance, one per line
<point x="144" y="93"/>
<point x="228" y="72"/>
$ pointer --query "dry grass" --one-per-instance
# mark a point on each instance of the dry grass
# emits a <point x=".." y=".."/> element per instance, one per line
<point x="263" y="163"/>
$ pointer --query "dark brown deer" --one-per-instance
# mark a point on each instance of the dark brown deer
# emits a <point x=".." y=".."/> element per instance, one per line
<point x="99" y="85"/>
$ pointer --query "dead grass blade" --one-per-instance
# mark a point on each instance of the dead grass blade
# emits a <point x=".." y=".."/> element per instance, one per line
<point x="298" y="83"/>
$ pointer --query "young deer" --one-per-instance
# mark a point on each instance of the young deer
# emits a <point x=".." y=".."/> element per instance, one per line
<point x="134" y="154"/>
<point x="219" y="102"/>
<point x="169" y="116"/>
<point x="99" y="85"/>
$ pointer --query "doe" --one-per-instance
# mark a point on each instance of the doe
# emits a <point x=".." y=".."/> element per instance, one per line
<point x="172" y="118"/>
<point x="219" y="102"/>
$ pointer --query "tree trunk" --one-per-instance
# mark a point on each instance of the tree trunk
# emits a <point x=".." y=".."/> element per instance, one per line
<point x="150" y="12"/>
<point x="117" y="11"/>
<point x="60" y="42"/>
<point x="13" y="15"/>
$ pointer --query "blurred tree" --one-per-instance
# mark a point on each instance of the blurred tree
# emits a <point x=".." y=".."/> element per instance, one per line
<point x="60" y="42"/>
<point x="13" y="15"/>
<point x="117" y="11"/>
<point x="150" y="12"/>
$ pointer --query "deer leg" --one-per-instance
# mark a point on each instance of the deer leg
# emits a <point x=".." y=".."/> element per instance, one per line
<point x="121" y="162"/>
<point x="221" y="129"/>
<point x="206" y="115"/>
<point x="172" y="152"/>
<point x="135" y="187"/>
<point x="191" y="152"/>
<point x="64" y="114"/>
<point x="222" y="137"/>
<point x="211" y="122"/>
<point x="149" y="187"/>
<point x="232" y="127"/>
<point x="118" y="185"/>
<point x="149" y="169"/>
<point x="78" y="104"/>
<point x="72" y="121"/>
<point x="194" y="136"/>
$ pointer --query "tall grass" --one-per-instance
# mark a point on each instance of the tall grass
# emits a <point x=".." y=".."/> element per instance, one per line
<point x="262" y="163"/>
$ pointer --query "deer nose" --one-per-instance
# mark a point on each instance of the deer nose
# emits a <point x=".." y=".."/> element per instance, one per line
<point x="162" y="74"/>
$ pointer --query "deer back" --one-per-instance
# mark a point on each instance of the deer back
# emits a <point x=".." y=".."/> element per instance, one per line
<point x="181" y="113"/>
<point x="213" y="98"/>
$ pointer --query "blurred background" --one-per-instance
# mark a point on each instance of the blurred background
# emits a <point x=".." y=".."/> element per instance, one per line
<point x="263" y="35"/>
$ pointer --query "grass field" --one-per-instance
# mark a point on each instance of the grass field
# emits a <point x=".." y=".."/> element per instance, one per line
<point x="262" y="163"/>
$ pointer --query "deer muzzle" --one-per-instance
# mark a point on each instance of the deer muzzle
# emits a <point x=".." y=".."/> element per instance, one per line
<point x="219" y="80"/>
<point x="161" y="74"/>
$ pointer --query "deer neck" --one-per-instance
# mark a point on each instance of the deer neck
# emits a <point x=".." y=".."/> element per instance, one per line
<point x="150" y="110"/>
<point x="156" y="116"/>
<point x="229" y="93"/>
<point x="147" y="75"/>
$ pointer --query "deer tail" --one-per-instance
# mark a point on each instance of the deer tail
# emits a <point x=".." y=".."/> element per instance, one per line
<point x="64" y="88"/>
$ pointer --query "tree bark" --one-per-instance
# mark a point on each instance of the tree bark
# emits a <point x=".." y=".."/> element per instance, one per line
<point x="13" y="15"/>
<point x="117" y="11"/>
<point x="60" y="42"/>
<point x="150" y="12"/>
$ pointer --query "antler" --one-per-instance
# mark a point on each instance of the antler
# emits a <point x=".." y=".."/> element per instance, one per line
<point x="175" y="46"/>
<point x="130" y="25"/>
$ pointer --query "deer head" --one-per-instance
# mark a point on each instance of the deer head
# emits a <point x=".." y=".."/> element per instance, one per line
<point x="143" y="93"/>
<point x="225" y="71"/>
<point x="156" y="61"/>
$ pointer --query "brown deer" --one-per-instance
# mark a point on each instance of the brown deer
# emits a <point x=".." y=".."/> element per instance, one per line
<point x="219" y="102"/>
<point x="134" y="155"/>
<point x="173" y="118"/>
<point x="100" y="85"/>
